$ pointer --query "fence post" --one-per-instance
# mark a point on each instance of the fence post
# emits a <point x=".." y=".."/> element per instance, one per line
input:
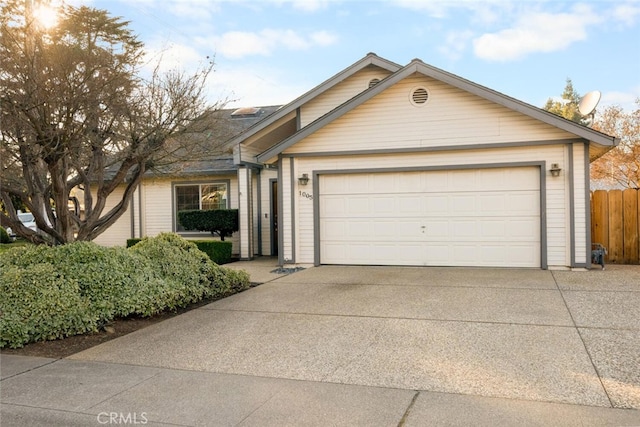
<point x="616" y="229"/>
<point x="630" y="225"/>
<point x="600" y="217"/>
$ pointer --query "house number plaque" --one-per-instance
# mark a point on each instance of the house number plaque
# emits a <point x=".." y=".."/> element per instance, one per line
<point x="306" y="195"/>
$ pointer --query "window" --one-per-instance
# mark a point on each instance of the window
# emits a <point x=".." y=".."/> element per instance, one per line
<point x="199" y="196"/>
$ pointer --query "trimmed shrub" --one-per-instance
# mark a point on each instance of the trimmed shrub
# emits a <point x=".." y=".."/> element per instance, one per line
<point x="181" y="264"/>
<point x="4" y="236"/>
<point x="113" y="281"/>
<point x="219" y="252"/>
<point x="133" y="241"/>
<point x="52" y="292"/>
<point x="229" y="281"/>
<point x="224" y="222"/>
<point x="40" y="303"/>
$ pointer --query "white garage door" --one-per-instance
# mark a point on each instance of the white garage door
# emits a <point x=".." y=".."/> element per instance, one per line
<point x="478" y="217"/>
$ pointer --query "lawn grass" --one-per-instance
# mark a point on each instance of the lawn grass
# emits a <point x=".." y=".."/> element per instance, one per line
<point x="19" y="242"/>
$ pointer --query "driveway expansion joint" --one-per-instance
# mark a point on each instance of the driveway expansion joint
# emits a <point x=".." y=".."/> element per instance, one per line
<point x="403" y="420"/>
<point x="584" y="344"/>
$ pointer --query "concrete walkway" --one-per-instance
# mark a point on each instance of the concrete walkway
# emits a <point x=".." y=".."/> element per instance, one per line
<point x="362" y="346"/>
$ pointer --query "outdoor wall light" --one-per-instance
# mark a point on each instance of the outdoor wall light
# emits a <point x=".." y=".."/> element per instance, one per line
<point x="555" y="169"/>
<point x="304" y="179"/>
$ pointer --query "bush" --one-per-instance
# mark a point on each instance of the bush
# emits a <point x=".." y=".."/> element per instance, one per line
<point x="183" y="267"/>
<point x="115" y="283"/>
<point x="52" y="292"/>
<point x="229" y="281"/>
<point x="224" y="222"/>
<point x="133" y="241"/>
<point x="40" y="303"/>
<point x="4" y="236"/>
<point x="219" y="252"/>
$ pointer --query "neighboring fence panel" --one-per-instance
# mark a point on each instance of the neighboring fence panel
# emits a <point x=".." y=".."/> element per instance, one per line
<point x="615" y="223"/>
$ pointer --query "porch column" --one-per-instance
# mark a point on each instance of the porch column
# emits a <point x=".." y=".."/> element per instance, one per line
<point x="245" y="212"/>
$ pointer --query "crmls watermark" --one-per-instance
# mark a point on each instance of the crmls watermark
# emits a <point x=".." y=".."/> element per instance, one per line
<point x="122" y="418"/>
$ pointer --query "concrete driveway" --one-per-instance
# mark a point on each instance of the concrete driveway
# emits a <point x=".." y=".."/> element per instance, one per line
<point x="420" y="346"/>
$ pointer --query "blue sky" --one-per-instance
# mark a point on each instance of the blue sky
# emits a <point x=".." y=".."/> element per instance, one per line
<point x="269" y="52"/>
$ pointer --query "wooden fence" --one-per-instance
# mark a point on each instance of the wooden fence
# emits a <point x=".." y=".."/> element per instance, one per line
<point x="615" y="222"/>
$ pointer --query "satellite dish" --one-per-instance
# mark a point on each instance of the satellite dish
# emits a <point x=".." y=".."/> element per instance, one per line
<point x="589" y="102"/>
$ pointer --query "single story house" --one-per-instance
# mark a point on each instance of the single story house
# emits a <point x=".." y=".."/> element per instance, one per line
<point x="384" y="164"/>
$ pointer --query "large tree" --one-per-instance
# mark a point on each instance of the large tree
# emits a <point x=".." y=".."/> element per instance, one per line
<point x="567" y="105"/>
<point x="77" y="113"/>
<point x="619" y="167"/>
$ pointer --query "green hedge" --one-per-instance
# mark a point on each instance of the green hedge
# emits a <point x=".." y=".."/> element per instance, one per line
<point x="131" y="242"/>
<point x="4" y="236"/>
<point x="218" y="251"/>
<point x="224" y="222"/>
<point x="53" y="292"/>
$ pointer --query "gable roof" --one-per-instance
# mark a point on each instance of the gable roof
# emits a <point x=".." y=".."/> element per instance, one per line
<point x="369" y="60"/>
<point x="417" y="66"/>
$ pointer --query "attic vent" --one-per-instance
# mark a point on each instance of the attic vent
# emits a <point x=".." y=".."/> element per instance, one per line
<point x="419" y="96"/>
<point x="373" y="82"/>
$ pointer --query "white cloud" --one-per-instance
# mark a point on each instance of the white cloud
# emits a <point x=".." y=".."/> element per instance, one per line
<point x="627" y="100"/>
<point x="194" y="9"/>
<point x="245" y="88"/>
<point x="239" y="44"/>
<point x="626" y="13"/>
<point x="303" y="5"/>
<point x="173" y="56"/>
<point x="324" y="38"/>
<point x="483" y="11"/>
<point x="536" y="32"/>
<point x="310" y="5"/>
<point x="455" y="44"/>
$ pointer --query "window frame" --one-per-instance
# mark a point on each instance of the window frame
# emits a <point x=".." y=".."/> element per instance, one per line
<point x="200" y="184"/>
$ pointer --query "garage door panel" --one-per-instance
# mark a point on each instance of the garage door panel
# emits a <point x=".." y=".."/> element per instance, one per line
<point x="435" y="181"/>
<point x="522" y="255"/>
<point x="333" y="230"/>
<point x="465" y="254"/>
<point x="333" y="206"/>
<point x="516" y="179"/>
<point x="463" y="203"/>
<point x="435" y="205"/>
<point x="493" y="229"/>
<point x="359" y="206"/>
<point x="522" y="203"/>
<point x="437" y="254"/>
<point x="528" y="229"/>
<point x="461" y="180"/>
<point x="463" y="230"/>
<point x="488" y="217"/>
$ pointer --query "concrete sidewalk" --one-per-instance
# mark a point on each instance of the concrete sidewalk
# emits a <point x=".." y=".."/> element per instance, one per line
<point x="362" y="346"/>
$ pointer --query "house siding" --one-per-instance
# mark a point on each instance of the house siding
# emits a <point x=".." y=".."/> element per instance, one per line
<point x="286" y="220"/>
<point x="153" y="211"/>
<point x="451" y="117"/>
<point x="557" y="212"/>
<point x="581" y="206"/>
<point x="339" y="94"/>
<point x="245" y="206"/>
<point x="120" y="231"/>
